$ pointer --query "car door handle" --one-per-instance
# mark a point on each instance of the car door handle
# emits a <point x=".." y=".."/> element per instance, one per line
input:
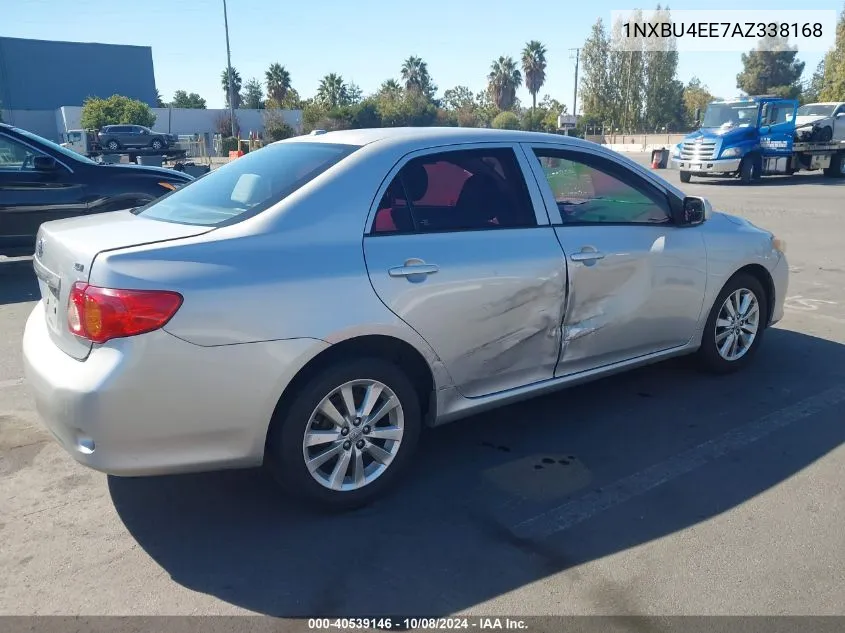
<point x="586" y="256"/>
<point x="413" y="269"/>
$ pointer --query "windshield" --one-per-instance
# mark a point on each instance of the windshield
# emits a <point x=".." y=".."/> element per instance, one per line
<point x="740" y="114"/>
<point x="816" y="110"/>
<point x="55" y="147"/>
<point x="247" y="186"/>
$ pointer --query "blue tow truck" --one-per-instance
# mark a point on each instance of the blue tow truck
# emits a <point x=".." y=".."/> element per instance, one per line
<point x="751" y="137"/>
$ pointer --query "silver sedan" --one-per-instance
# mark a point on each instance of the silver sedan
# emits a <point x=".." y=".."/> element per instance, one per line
<point x="315" y="304"/>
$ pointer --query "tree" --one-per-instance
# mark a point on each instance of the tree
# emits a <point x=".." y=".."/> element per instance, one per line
<point x="236" y="87"/>
<point x="354" y="93"/>
<point x="696" y="97"/>
<point x="833" y="88"/>
<point x="771" y="68"/>
<point x="115" y="110"/>
<point x="460" y="106"/>
<point x="506" y="121"/>
<point x="159" y="101"/>
<point x="534" y="68"/>
<point x="193" y="101"/>
<point x="390" y="86"/>
<point x="626" y="67"/>
<point x="223" y="124"/>
<point x="278" y="82"/>
<point x="416" y="77"/>
<point x="253" y="95"/>
<point x="663" y="99"/>
<point x="332" y="91"/>
<point x="595" y="86"/>
<point x="502" y="82"/>
<point x="811" y="93"/>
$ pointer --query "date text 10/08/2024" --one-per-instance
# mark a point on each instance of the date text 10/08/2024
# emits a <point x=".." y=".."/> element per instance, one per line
<point x="417" y="624"/>
<point x="722" y="29"/>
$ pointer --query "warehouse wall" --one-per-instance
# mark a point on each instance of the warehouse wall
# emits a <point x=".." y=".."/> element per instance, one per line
<point x="45" y="75"/>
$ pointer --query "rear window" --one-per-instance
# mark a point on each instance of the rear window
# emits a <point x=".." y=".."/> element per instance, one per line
<point x="248" y="185"/>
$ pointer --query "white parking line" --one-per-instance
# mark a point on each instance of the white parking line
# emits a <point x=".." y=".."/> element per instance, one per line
<point x="590" y="504"/>
<point x="14" y="382"/>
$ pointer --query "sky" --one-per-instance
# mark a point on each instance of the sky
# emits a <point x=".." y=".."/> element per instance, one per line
<point x="364" y="41"/>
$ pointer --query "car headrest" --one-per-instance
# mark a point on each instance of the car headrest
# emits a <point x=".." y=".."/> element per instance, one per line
<point x="250" y="190"/>
<point x="415" y="179"/>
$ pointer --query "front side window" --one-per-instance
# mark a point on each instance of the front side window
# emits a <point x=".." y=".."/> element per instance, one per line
<point x="455" y="191"/>
<point x="592" y="191"/>
<point x="15" y="156"/>
<point x="247" y="186"/>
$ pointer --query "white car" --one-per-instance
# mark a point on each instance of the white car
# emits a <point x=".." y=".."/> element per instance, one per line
<point x="821" y="122"/>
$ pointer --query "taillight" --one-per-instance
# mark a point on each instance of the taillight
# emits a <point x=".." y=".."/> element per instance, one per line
<point x="100" y="314"/>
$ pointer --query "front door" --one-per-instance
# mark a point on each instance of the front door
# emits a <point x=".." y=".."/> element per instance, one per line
<point x="461" y="250"/>
<point x="29" y="197"/>
<point x="777" y="129"/>
<point x="636" y="281"/>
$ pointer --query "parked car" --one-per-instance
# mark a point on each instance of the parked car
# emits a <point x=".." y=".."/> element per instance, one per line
<point x="41" y="181"/>
<point x="316" y="303"/>
<point x="820" y="122"/>
<point x="117" y="137"/>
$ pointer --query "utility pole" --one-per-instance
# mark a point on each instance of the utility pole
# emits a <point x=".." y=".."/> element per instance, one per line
<point x="575" y="89"/>
<point x="229" y="72"/>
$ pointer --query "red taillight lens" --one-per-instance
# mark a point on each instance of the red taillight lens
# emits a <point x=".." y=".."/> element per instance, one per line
<point x="101" y="314"/>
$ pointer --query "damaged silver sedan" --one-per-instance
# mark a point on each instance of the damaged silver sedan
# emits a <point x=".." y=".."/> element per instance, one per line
<point x="315" y="304"/>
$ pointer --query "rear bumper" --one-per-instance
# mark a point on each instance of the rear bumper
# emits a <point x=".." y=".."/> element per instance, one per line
<point x="720" y="166"/>
<point x="154" y="404"/>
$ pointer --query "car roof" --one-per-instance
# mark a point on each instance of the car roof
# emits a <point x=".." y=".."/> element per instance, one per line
<point x="433" y="136"/>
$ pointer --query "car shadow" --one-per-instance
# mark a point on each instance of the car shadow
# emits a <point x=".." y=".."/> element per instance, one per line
<point x="453" y="534"/>
<point x="17" y="281"/>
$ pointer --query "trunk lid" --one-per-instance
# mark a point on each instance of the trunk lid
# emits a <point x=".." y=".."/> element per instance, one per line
<point x="65" y="251"/>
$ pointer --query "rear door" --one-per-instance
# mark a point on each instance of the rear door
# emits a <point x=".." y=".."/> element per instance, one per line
<point x="636" y="281"/>
<point x="29" y="197"/>
<point x="461" y="249"/>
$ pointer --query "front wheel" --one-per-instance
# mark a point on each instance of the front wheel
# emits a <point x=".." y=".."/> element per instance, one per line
<point x="113" y="145"/>
<point x="686" y="176"/>
<point x="749" y="169"/>
<point x="156" y="144"/>
<point x="826" y="134"/>
<point x="735" y="326"/>
<point x="348" y="434"/>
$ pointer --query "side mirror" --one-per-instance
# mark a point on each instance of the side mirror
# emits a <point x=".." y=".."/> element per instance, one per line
<point x="44" y="163"/>
<point x="696" y="211"/>
<point x="841" y="115"/>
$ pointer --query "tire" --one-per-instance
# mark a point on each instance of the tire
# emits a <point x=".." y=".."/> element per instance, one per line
<point x="709" y="356"/>
<point x="286" y="451"/>
<point x="113" y="145"/>
<point x="686" y="176"/>
<point x="157" y="144"/>
<point x="826" y="134"/>
<point x="749" y="169"/>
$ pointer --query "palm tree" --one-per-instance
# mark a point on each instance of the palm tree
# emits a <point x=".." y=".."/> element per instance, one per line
<point x="332" y="91"/>
<point x="278" y="82"/>
<point x="503" y="80"/>
<point x="416" y="77"/>
<point x="534" y="68"/>
<point x="390" y="86"/>
<point x="236" y="86"/>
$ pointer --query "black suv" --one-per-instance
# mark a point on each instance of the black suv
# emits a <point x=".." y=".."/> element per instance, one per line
<point x="115" y="137"/>
<point x="42" y="181"/>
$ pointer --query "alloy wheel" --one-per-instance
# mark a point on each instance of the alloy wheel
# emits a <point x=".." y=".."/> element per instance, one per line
<point x="737" y="324"/>
<point x="353" y="435"/>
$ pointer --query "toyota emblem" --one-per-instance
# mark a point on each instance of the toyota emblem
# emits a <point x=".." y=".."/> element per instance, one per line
<point x="39" y="248"/>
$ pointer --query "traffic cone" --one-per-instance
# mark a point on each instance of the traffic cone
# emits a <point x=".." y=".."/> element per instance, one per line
<point x="655" y="161"/>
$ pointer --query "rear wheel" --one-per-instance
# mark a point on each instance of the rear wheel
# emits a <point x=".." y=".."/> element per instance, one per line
<point x="735" y="325"/>
<point x="347" y="436"/>
<point x="686" y="176"/>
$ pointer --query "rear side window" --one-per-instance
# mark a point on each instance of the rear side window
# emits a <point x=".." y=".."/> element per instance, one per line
<point x="456" y="191"/>
<point x="247" y="186"/>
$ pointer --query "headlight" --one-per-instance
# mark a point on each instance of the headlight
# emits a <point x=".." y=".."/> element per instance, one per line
<point x="730" y="152"/>
<point x="779" y="244"/>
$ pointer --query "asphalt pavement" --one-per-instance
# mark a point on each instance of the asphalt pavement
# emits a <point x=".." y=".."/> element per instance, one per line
<point x="662" y="491"/>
